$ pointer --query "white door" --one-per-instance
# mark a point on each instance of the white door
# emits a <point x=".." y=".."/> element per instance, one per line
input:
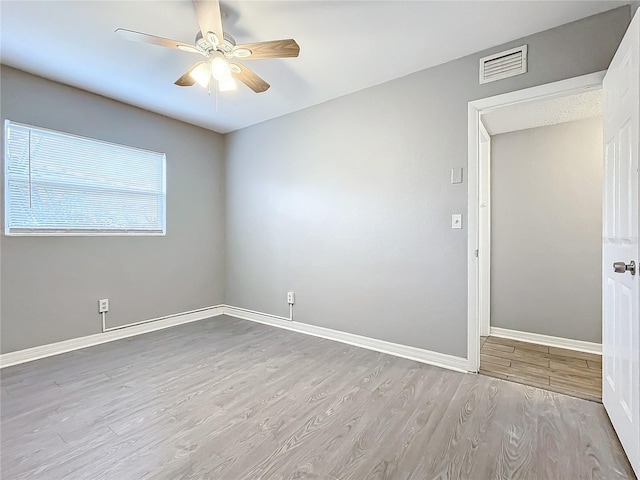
<point x="621" y="312"/>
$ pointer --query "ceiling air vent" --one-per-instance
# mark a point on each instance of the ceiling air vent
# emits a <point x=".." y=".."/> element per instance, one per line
<point x="503" y="65"/>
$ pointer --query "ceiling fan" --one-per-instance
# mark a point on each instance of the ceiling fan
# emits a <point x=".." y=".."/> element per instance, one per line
<point x="220" y="49"/>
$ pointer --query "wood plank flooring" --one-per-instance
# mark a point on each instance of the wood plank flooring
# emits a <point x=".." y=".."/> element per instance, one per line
<point x="228" y="399"/>
<point x="564" y="371"/>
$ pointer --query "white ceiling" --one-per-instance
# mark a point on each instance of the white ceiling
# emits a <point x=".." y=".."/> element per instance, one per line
<point x="542" y="113"/>
<point x="345" y="46"/>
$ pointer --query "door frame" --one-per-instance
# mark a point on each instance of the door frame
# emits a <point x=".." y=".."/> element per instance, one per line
<point x="478" y="265"/>
<point x="484" y="231"/>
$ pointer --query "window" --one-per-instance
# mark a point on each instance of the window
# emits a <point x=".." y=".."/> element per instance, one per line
<point x="62" y="184"/>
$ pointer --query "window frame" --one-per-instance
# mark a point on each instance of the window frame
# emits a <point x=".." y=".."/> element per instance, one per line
<point x="77" y="232"/>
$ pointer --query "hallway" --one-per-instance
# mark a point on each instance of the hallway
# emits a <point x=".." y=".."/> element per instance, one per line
<point x="570" y="372"/>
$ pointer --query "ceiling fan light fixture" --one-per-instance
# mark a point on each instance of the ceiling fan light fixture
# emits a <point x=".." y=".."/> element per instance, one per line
<point x="226" y="84"/>
<point x="220" y="68"/>
<point x="202" y="74"/>
<point x="219" y="48"/>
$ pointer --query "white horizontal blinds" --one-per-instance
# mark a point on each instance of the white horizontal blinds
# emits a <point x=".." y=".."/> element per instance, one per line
<point x="60" y="183"/>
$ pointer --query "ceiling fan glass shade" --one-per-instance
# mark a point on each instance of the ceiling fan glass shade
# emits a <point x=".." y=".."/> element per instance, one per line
<point x="202" y="74"/>
<point x="220" y="69"/>
<point x="226" y="84"/>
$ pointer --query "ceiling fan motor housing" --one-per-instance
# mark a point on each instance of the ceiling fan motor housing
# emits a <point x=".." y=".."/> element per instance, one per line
<point x="226" y="46"/>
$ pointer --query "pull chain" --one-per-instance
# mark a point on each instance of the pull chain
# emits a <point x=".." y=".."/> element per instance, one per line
<point x="215" y="90"/>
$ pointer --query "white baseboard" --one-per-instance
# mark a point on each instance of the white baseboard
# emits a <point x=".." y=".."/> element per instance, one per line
<point x="29" y="354"/>
<point x="412" y="353"/>
<point x="578" y="345"/>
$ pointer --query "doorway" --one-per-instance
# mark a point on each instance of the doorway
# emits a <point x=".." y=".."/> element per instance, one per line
<point x="509" y="303"/>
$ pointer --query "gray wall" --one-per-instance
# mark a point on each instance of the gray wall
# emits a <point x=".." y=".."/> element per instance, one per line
<point x="50" y="285"/>
<point x="546" y="238"/>
<point x="349" y="204"/>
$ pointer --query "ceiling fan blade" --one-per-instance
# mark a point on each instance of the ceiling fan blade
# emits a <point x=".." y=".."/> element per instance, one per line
<point x="187" y="80"/>
<point x="209" y="18"/>
<point x="152" y="39"/>
<point x="249" y="78"/>
<point x="272" y="49"/>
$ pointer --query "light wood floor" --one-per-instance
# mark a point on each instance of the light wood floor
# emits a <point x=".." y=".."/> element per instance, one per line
<point x="230" y="399"/>
<point x="564" y="371"/>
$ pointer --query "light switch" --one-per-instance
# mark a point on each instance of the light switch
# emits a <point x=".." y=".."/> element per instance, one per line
<point x="456" y="175"/>
<point x="456" y="220"/>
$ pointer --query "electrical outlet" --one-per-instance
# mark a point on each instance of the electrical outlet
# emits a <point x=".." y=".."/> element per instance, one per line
<point x="103" y="305"/>
<point x="291" y="298"/>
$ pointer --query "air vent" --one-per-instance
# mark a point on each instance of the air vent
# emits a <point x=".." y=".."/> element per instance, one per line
<point x="503" y="65"/>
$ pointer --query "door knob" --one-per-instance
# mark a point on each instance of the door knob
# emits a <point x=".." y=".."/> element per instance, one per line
<point x="621" y="267"/>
